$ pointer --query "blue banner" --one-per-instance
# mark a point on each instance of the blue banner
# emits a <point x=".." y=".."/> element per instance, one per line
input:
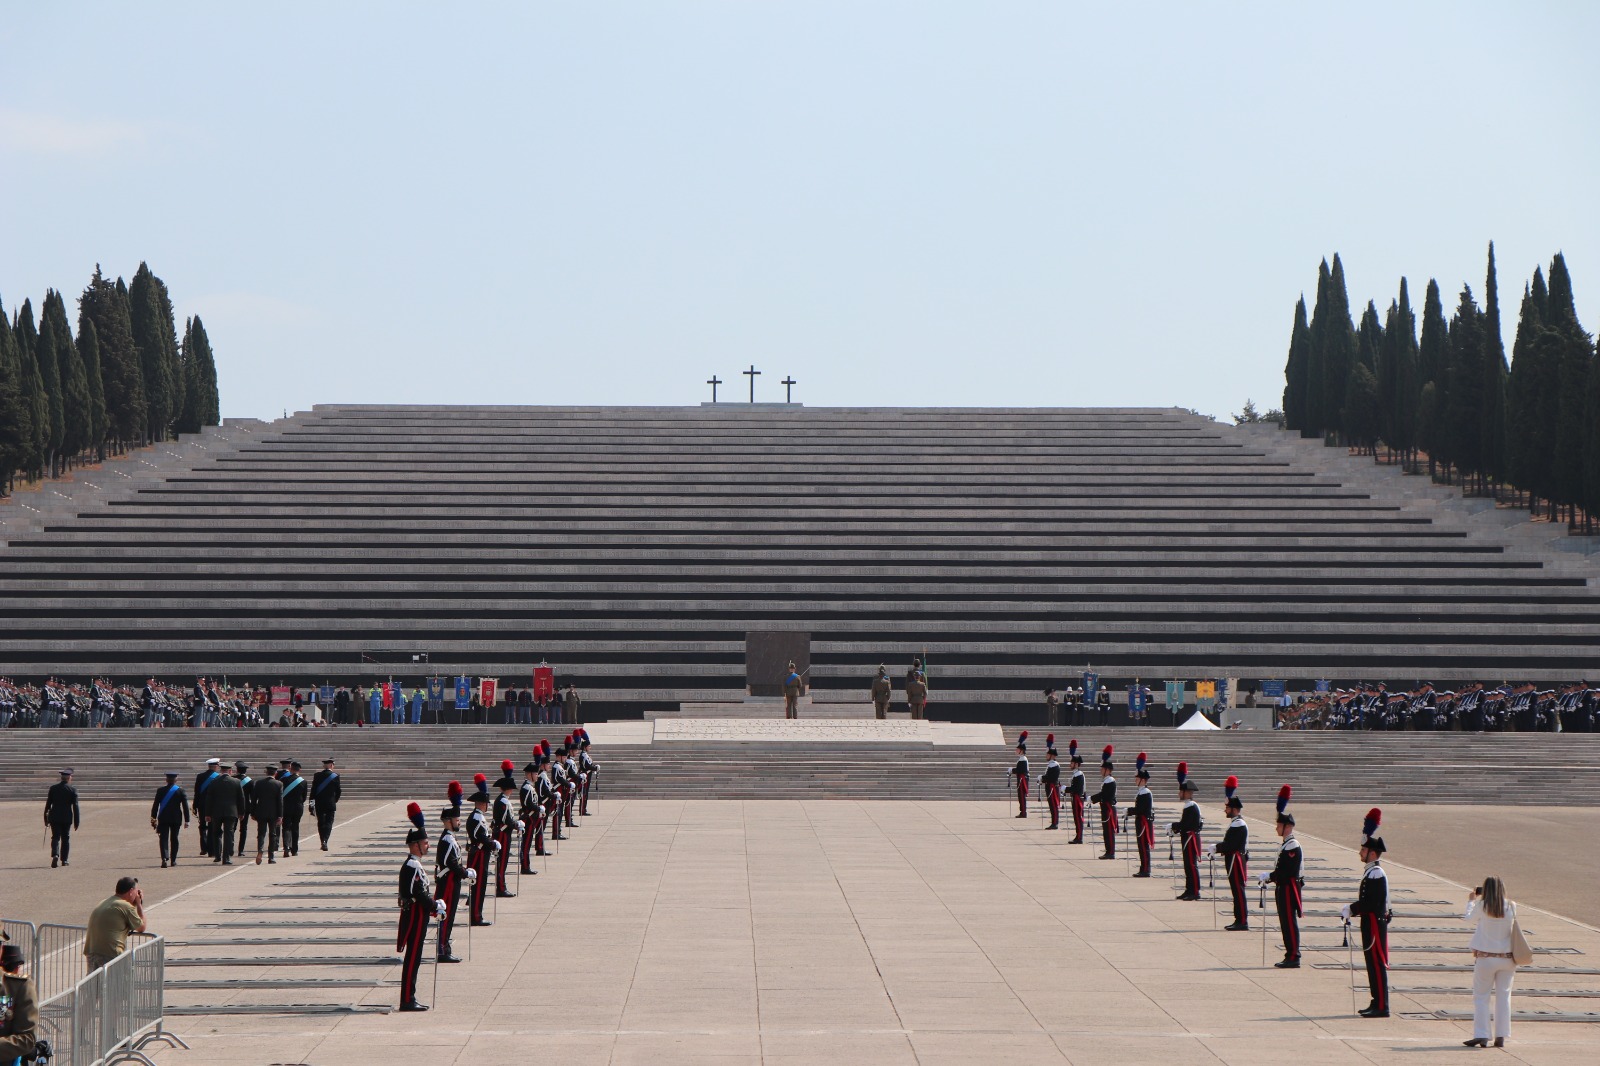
<point x="1222" y="693"/>
<point x="1091" y="685"/>
<point x="463" y="693"/>
<point x="397" y="699"/>
<point x="1175" y="695"/>
<point x="436" y="691"/>
<point x="325" y="695"/>
<point x="1136" y="699"/>
<point x="1273" y="690"/>
<point x="1323" y="686"/>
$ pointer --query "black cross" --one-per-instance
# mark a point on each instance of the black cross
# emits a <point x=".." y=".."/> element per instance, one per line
<point x="788" y="383"/>
<point x="714" y="382"/>
<point x="751" y="374"/>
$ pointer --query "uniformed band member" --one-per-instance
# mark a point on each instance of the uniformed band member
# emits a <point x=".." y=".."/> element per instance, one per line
<point x="450" y="871"/>
<point x="417" y="906"/>
<point x="202" y="784"/>
<point x="503" y="821"/>
<point x="1234" y="847"/>
<point x="480" y="845"/>
<point x="62" y="816"/>
<point x="1051" y="782"/>
<point x="326" y="788"/>
<point x="587" y="769"/>
<point x="530" y="815"/>
<point x="791" y="693"/>
<point x="294" y="806"/>
<point x="1107" y="799"/>
<point x="268" y="813"/>
<point x="169" y="812"/>
<point x="1019" y="771"/>
<point x="1078" y="789"/>
<point x="882" y="692"/>
<point x="1372" y="904"/>
<point x="1143" y="813"/>
<point x="1188" y="828"/>
<point x="1288" y="883"/>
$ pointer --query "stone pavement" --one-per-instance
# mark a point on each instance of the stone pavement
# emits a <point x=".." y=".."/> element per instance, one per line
<point x="790" y="932"/>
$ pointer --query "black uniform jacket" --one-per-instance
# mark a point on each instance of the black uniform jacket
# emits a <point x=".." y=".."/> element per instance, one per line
<point x="176" y="811"/>
<point x="61" y="805"/>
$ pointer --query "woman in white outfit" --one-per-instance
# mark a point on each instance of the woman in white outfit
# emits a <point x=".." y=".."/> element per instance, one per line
<point x="1492" y="968"/>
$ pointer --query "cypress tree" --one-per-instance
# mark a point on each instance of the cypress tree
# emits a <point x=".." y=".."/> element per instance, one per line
<point x="1295" y="370"/>
<point x="1464" y="389"/>
<point x="203" y="404"/>
<point x="1333" y="342"/>
<point x="155" y="339"/>
<point x="1360" y="415"/>
<point x="56" y="341"/>
<point x="1316" y="412"/>
<point x="1591" y="443"/>
<point x="1575" y="356"/>
<point x="34" y="397"/>
<point x="16" y="419"/>
<point x="1397" y="374"/>
<point x="1369" y="339"/>
<point x="1560" y="310"/>
<point x="1428" y="419"/>
<point x="1540" y="293"/>
<point x="106" y="306"/>
<point x="44" y="358"/>
<point x="1432" y="357"/>
<point x="89" y="353"/>
<point x="1529" y="428"/>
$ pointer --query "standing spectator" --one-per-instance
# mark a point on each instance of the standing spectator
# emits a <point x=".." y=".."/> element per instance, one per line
<point x="574" y="704"/>
<point x="525" y="707"/>
<point x="19" y="1021"/>
<point x="62" y="816"/>
<point x="1493" y="970"/>
<point x="112" y="921"/>
<point x="1052" y="708"/>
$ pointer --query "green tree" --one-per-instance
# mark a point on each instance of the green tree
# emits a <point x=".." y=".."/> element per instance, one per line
<point x="1464" y="398"/>
<point x="1591" y="442"/>
<point x="44" y="358"/>
<point x="202" y="404"/>
<point x="89" y="353"/>
<point x="105" y="304"/>
<point x="1333" y="344"/>
<point x="1361" y="408"/>
<point x="56" y="342"/>
<point x="1495" y="376"/>
<point x="1433" y="355"/>
<point x="1397" y="374"/>
<point x="1560" y="309"/>
<point x="1369" y="339"/>
<point x="1317" y="415"/>
<point x="1566" y="471"/>
<point x="34" y="397"/>
<point x="1296" y="369"/>
<point x="1428" y="420"/>
<point x="1530" y="429"/>
<point x="155" y="339"/>
<point x="16" y="419"/>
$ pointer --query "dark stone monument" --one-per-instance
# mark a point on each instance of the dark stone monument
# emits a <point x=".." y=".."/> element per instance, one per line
<point x="767" y="655"/>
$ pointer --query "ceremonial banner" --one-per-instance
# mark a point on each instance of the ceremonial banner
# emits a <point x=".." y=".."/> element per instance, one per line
<point x="1273" y="690"/>
<point x="1222" y="693"/>
<point x="463" y="693"/>
<point x="1136" y="699"/>
<point x="1175" y="695"/>
<point x="544" y="683"/>
<point x="1205" y="690"/>
<point x="397" y="697"/>
<point x="280" y="695"/>
<point x="1323" y="686"/>
<point x="1091" y="685"/>
<point x="325" y="695"/>
<point x="386" y="695"/>
<point x="486" y="690"/>
<point x="436" y="692"/>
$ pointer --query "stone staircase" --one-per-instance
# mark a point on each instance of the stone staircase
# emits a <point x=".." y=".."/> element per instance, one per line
<point x="417" y="762"/>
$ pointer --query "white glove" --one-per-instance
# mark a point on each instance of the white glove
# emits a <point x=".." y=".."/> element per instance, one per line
<point x="496" y="844"/>
<point x="1214" y="850"/>
<point x="439" y="908"/>
<point x="472" y="877"/>
<point x="1344" y="912"/>
<point x="1263" y="878"/>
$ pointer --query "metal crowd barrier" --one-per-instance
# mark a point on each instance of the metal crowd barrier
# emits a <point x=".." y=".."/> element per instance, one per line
<point x="101" y="1017"/>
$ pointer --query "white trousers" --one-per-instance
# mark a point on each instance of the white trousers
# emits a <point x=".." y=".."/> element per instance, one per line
<point x="1492" y="976"/>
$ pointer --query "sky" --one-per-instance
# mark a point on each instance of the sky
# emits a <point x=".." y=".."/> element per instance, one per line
<point x="901" y="204"/>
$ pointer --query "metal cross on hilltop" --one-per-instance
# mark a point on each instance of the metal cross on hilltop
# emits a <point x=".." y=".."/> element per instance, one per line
<point x="751" y="374"/>
<point x="788" y="384"/>
<point x="714" y="382"/>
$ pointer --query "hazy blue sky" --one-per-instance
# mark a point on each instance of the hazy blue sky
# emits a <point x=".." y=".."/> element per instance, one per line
<point x="897" y="203"/>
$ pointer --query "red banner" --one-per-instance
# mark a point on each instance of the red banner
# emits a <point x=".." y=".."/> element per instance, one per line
<point x="280" y="695"/>
<point x="544" y="683"/>
<point x="486" y="687"/>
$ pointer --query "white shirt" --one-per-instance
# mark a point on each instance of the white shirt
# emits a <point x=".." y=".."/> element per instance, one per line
<point x="1492" y="934"/>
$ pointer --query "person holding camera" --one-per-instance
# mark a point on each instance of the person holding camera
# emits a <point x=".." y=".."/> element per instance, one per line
<point x="19" y="1010"/>
<point x="1493" y="968"/>
<point x="112" y="921"/>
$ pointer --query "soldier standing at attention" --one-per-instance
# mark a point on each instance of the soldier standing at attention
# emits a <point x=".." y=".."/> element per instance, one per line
<point x="527" y="811"/>
<point x="450" y="871"/>
<point x="248" y="787"/>
<point x="587" y="769"/>
<point x="1188" y="828"/>
<point x="1233" y="847"/>
<point x="1288" y="879"/>
<point x="503" y="822"/>
<point x="1107" y="799"/>
<point x="1052" y="708"/>
<point x="62" y="816"/>
<point x="882" y="692"/>
<point x="294" y="807"/>
<point x="917" y="693"/>
<point x="267" y="810"/>
<point x="324" y="802"/>
<point x="417" y="905"/>
<point x="1078" y="788"/>
<point x="1143" y="813"/>
<point x="1019" y="771"/>
<point x="1372" y="904"/>
<point x="1050" y="780"/>
<point x="791" y="693"/>
<point x="202" y="784"/>
<point x="480" y="845"/>
<point x="574" y="781"/>
<point x="169" y="812"/>
<point x="572" y="705"/>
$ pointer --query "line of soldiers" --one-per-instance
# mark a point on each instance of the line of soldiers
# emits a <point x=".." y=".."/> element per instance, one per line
<point x="915" y="686"/>
<point x="555" y="790"/>
<point x="1287" y="875"/>
<point x="1522" y="707"/>
<point x="102" y="705"/>
<point x="226" y="803"/>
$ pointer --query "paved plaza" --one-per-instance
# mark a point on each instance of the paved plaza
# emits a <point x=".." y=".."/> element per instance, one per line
<point x="828" y="932"/>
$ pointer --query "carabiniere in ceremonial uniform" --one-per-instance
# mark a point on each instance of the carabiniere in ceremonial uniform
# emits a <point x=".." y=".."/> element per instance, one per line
<point x="417" y="906"/>
<point x="1372" y="905"/>
<point x="1288" y="883"/>
<point x="1234" y="847"/>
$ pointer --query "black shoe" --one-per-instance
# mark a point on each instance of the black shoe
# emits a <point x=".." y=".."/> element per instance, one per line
<point x="528" y="873"/>
<point x="54" y="862"/>
<point x="483" y="923"/>
<point x="449" y="958"/>
<point x="413" y="1006"/>
<point x="1052" y="827"/>
<point x="1189" y="896"/>
<point x="1075" y="840"/>
<point x="216" y="860"/>
<point x="1108" y="855"/>
<point x="63" y="862"/>
<point x="163" y="864"/>
<point x="1145" y="874"/>
<point x="1022" y="816"/>
<point x="506" y="895"/>
<point x="324" y="845"/>
<point x="1237" y="927"/>
<point x="1374" y="1013"/>
<point x="227" y="862"/>
<point x="1288" y="964"/>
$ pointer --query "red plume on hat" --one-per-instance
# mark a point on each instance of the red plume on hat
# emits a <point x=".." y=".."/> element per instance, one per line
<point x="544" y="745"/>
<point x="1283" y="797"/>
<point x="1022" y="736"/>
<point x="1049" y="740"/>
<point x="1230" y="786"/>
<point x="1105" y="755"/>
<point x="1373" y="820"/>
<point x="1183" y="772"/>
<point x="414" y="813"/>
<point x="1138" y="761"/>
<point x="506" y="766"/>
<point x="454" y="793"/>
<point x="481" y="780"/>
<point x="569" y="740"/>
<point x="1072" y="746"/>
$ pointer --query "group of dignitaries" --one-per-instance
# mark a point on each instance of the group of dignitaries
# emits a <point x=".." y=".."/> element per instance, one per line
<point x="1287" y="875"/>
<point x="226" y="802"/>
<point x="554" y="790"/>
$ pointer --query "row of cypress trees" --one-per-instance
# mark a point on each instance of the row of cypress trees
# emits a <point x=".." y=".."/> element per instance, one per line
<point x="124" y="380"/>
<point x="1531" y="425"/>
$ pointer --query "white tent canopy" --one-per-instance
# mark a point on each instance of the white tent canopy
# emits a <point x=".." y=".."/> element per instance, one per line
<point x="1199" y="721"/>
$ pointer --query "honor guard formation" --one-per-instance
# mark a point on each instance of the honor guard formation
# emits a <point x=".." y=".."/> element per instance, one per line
<point x="554" y="792"/>
<point x="1287" y="875"/>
